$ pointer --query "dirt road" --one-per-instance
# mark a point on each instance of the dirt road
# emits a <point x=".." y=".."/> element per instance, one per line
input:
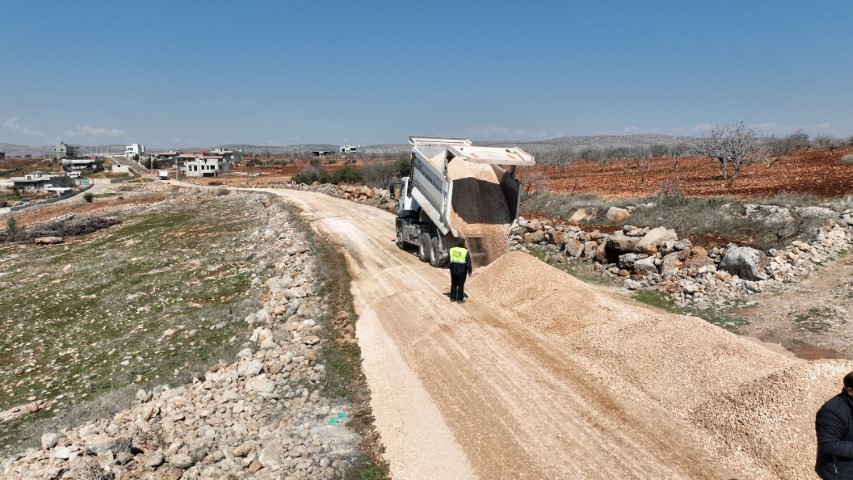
<point x="539" y="375"/>
<point x="812" y="319"/>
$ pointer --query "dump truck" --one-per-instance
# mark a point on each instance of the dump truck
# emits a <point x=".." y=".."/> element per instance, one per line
<point x="425" y="198"/>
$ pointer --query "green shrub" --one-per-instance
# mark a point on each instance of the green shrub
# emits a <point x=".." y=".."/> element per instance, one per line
<point x="554" y="205"/>
<point x="11" y="226"/>
<point x="89" y="196"/>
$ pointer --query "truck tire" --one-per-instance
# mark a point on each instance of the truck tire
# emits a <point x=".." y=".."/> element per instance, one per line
<point x="400" y="243"/>
<point x="423" y="247"/>
<point x="435" y="253"/>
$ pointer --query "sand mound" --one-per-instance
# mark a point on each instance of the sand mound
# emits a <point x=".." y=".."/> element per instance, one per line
<point x="543" y="296"/>
<point x="747" y="405"/>
<point x="480" y="212"/>
<point x="676" y="360"/>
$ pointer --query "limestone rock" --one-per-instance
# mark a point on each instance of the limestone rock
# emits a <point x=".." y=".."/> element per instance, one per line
<point x="645" y="266"/>
<point x="574" y="248"/>
<point x="616" y="214"/>
<point x="48" y="240"/>
<point x="583" y="214"/>
<point x="745" y="262"/>
<point x="655" y="237"/>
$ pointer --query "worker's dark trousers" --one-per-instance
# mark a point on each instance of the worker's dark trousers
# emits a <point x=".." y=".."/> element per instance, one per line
<point x="457" y="286"/>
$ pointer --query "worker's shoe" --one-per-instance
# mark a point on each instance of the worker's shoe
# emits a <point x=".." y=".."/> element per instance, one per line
<point x="461" y="300"/>
<point x="452" y="299"/>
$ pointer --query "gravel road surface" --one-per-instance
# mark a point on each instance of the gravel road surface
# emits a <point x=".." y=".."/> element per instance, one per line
<point x="539" y="375"/>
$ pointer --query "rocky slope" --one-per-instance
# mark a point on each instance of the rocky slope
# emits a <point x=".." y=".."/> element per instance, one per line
<point x="262" y="415"/>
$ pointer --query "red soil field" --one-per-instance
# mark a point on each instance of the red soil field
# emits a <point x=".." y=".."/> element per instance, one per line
<point x="820" y="173"/>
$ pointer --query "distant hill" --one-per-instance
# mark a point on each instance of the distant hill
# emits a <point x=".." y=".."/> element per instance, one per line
<point x="14" y="150"/>
<point x="573" y="143"/>
<point x="600" y="141"/>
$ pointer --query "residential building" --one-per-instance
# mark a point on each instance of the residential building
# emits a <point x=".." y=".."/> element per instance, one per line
<point x="171" y="155"/>
<point x="199" y="165"/>
<point x="77" y="164"/>
<point x="41" y="182"/>
<point x="230" y="155"/>
<point x="131" y="150"/>
<point x="63" y="150"/>
<point x="350" y="148"/>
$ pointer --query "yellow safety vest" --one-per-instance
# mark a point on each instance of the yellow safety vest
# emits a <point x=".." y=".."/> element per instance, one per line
<point x="457" y="255"/>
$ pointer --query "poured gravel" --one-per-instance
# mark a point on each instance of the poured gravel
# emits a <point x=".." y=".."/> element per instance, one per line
<point x="750" y="407"/>
<point x="480" y="212"/>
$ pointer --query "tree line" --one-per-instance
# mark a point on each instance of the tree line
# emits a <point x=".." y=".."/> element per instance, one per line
<point x="733" y="146"/>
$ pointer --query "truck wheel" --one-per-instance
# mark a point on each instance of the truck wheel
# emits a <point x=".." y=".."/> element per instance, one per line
<point x="434" y="253"/>
<point x="423" y="247"/>
<point x="400" y="243"/>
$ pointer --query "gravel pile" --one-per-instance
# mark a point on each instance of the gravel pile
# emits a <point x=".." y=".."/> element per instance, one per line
<point x="480" y="212"/>
<point x="750" y="407"/>
<point x="770" y="421"/>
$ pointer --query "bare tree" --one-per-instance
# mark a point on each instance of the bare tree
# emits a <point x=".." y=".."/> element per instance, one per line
<point x="826" y="141"/>
<point x="735" y="147"/>
<point x="534" y="180"/>
<point x="678" y="150"/>
<point x="659" y="150"/>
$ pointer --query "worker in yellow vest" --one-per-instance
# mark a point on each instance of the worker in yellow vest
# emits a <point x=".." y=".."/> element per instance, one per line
<point x="460" y="268"/>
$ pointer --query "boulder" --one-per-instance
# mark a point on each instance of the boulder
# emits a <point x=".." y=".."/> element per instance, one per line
<point x="583" y="214"/>
<point x="656" y="236"/>
<point x="534" y="237"/>
<point x="698" y="258"/>
<point x="532" y="225"/>
<point x="770" y="214"/>
<point x="589" y="249"/>
<point x="616" y="214"/>
<point x="49" y="440"/>
<point x="619" y="243"/>
<point x="574" y="248"/>
<point x="601" y="252"/>
<point x="48" y="240"/>
<point x="106" y="443"/>
<point x="817" y="212"/>
<point x="627" y="260"/>
<point x="670" y="264"/>
<point x="645" y="266"/>
<point x="745" y="262"/>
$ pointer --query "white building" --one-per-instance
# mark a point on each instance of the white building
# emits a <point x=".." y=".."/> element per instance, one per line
<point x="204" y="165"/>
<point x="135" y="149"/>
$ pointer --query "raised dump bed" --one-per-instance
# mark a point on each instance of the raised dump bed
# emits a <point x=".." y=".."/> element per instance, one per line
<point x="457" y="190"/>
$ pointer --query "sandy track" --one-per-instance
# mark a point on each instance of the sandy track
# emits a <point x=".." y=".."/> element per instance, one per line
<point x="541" y="376"/>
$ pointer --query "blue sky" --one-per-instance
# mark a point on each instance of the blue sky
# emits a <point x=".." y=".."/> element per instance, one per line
<point x="204" y="73"/>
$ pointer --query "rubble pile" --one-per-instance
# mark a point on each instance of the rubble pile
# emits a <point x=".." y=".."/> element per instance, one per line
<point x="656" y="259"/>
<point x="264" y="415"/>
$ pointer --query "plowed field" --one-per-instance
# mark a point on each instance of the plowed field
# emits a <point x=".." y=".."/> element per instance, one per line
<point x="813" y="172"/>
